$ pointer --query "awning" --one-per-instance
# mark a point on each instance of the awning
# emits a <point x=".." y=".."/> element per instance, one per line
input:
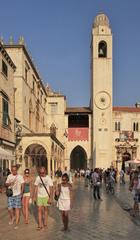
<point x="5" y="155"/>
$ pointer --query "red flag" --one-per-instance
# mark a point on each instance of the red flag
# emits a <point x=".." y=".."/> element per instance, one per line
<point x="77" y="134"/>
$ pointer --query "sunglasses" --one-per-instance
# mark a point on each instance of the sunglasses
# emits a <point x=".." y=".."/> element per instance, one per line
<point x="26" y="172"/>
<point x="64" y="179"/>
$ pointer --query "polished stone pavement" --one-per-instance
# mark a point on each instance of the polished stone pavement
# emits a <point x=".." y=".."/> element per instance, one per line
<point x="89" y="219"/>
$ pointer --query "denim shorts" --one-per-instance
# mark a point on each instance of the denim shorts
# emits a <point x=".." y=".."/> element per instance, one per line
<point x="137" y="197"/>
<point x="14" y="202"/>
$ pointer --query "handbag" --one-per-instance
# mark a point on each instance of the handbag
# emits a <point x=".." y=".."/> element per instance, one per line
<point x="56" y="196"/>
<point x="9" y="192"/>
<point x="137" y="197"/>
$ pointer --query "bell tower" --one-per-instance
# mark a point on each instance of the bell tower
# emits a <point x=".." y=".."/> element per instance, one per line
<point x="101" y="92"/>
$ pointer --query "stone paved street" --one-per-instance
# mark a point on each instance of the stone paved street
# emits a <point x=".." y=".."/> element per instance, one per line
<point x="89" y="219"/>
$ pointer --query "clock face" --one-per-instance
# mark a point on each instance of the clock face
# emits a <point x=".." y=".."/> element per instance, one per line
<point x="102" y="100"/>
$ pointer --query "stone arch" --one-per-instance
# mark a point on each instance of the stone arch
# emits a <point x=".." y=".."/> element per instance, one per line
<point x="78" y="158"/>
<point x="39" y="142"/>
<point x="126" y="156"/>
<point x="35" y="155"/>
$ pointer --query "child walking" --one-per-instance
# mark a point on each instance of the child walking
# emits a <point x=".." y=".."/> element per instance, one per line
<point x="65" y="200"/>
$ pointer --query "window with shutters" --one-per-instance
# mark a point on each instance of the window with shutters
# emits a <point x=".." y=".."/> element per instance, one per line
<point x="4" y="68"/>
<point x="5" y="111"/>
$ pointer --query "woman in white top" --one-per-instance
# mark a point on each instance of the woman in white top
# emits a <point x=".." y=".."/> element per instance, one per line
<point x="65" y="199"/>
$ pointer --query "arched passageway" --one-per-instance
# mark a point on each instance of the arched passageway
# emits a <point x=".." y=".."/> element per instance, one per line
<point x="125" y="157"/>
<point x="35" y="156"/>
<point x="78" y="158"/>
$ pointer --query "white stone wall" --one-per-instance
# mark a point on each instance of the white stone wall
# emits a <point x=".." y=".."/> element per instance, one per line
<point x="101" y="83"/>
<point x="7" y="86"/>
<point x="25" y="96"/>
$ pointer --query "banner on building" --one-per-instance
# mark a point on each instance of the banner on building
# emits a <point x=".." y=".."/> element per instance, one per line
<point x="78" y="134"/>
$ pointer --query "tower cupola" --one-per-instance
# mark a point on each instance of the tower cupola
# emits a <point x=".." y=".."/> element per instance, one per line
<point x="101" y="20"/>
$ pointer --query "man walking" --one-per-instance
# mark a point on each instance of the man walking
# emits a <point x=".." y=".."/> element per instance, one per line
<point x="14" y="181"/>
<point x="96" y="184"/>
<point x="44" y="194"/>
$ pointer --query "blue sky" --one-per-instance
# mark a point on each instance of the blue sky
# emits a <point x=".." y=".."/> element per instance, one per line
<point x="58" y="35"/>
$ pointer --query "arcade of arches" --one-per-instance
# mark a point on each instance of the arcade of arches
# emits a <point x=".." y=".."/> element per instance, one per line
<point x="50" y="155"/>
<point x="78" y="158"/>
<point x="35" y="156"/>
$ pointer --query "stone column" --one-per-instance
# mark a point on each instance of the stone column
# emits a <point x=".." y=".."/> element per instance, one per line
<point x="53" y="170"/>
<point x="49" y="165"/>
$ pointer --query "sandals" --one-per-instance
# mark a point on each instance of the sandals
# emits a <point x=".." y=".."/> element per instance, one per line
<point x="39" y="228"/>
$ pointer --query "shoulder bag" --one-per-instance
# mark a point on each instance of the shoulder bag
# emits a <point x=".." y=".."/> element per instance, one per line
<point x="44" y="186"/>
<point x="56" y="196"/>
<point x="9" y="191"/>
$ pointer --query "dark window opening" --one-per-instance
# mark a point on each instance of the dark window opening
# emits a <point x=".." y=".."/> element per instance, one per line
<point x="77" y="121"/>
<point x="135" y="126"/>
<point x="5" y="106"/>
<point x="117" y="126"/>
<point x="26" y="74"/>
<point x="4" y="68"/>
<point x="102" y="49"/>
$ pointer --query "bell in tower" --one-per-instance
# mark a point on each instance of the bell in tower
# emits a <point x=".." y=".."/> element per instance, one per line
<point x="102" y="49"/>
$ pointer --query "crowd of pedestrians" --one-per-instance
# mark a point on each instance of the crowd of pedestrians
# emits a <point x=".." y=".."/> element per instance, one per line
<point x="134" y="187"/>
<point x="109" y="177"/>
<point x="42" y="190"/>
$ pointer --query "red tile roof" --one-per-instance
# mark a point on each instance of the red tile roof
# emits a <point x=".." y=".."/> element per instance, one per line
<point x="78" y="110"/>
<point x="89" y="111"/>
<point x="127" y="109"/>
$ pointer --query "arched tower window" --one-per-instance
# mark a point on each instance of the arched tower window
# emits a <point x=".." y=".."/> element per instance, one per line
<point x="102" y="49"/>
<point x="135" y="126"/>
<point x="117" y="126"/>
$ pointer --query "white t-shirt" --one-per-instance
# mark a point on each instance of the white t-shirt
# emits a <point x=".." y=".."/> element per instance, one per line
<point x="18" y="180"/>
<point x="95" y="177"/>
<point x="138" y="186"/>
<point x="121" y="173"/>
<point x="41" y="190"/>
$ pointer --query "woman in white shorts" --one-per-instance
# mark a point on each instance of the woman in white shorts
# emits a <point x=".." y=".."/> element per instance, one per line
<point x="65" y="199"/>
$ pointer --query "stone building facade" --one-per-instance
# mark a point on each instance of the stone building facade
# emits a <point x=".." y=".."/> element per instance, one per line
<point x="7" y="109"/>
<point x="36" y="138"/>
<point x="48" y="132"/>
